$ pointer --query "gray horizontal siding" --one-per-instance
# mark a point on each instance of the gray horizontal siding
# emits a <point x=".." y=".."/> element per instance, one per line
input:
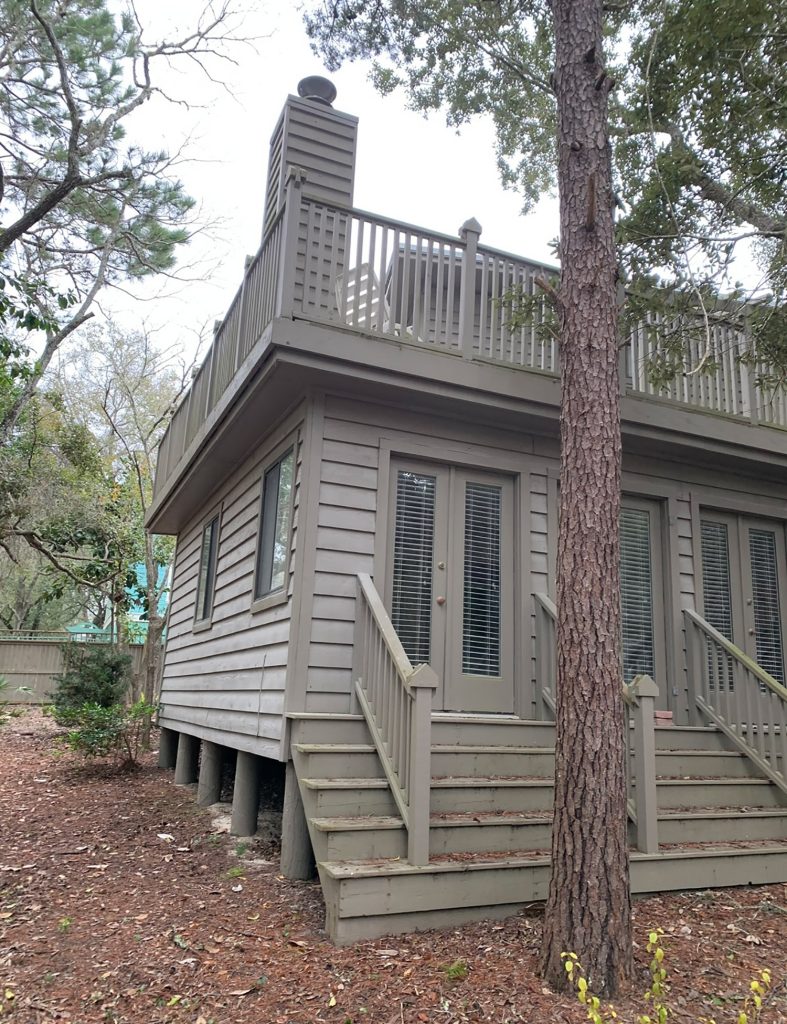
<point x="345" y="546"/>
<point x="227" y="682"/>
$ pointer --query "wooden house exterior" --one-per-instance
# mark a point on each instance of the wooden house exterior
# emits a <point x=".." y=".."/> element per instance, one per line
<point x="363" y="482"/>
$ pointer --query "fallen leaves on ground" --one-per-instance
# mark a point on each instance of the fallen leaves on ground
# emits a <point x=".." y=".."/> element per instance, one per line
<point x="116" y="906"/>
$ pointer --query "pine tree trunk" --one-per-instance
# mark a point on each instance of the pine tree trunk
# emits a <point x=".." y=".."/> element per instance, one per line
<point x="589" y="907"/>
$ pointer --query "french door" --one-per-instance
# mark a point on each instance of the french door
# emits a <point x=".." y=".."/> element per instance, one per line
<point x="744" y="579"/>
<point x="450" y="586"/>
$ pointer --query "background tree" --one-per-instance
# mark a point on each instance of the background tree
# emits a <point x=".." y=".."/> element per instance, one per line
<point x="83" y="207"/>
<point x="698" y="126"/>
<point x="124" y="390"/>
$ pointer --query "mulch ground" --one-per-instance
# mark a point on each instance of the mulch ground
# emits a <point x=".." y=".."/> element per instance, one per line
<point x="121" y="901"/>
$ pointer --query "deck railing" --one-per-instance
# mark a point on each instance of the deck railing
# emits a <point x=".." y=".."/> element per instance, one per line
<point x="637" y="723"/>
<point x="396" y="701"/>
<point x="395" y="281"/>
<point x="738" y="696"/>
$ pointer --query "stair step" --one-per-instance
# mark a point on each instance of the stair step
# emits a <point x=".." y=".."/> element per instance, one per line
<point x="488" y="793"/>
<point x="714" y="792"/>
<point x="347" y="797"/>
<point x="389" y="897"/>
<point x="685" y="825"/>
<point x="368" y="837"/>
<point x="727" y="764"/>
<point x="346" y="759"/>
<point x="491" y="730"/>
<point x="690" y="737"/>
<point x="471" y="759"/>
<point x="316" y="727"/>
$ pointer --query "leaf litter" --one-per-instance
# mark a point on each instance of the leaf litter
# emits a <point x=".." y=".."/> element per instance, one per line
<point x="115" y="906"/>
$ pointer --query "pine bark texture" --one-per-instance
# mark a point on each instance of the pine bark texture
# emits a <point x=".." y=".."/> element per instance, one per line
<point x="589" y="906"/>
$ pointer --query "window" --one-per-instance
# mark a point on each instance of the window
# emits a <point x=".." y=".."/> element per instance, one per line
<point x="207" y="570"/>
<point x="273" y="547"/>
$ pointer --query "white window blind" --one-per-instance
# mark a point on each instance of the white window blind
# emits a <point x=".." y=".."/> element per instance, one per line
<point x="767" y="612"/>
<point x="717" y="599"/>
<point x="636" y="593"/>
<point x="716" y="589"/>
<point x="411" y="601"/>
<point x="481" y="620"/>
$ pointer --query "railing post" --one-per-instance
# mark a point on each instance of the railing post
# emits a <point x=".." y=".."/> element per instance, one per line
<point x="243" y="312"/>
<point x="288" y="259"/>
<point x="541" y="645"/>
<point x="644" y="692"/>
<point x="423" y="683"/>
<point x="623" y="348"/>
<point x="748" y="371"/>
<point x="694" y="668"/>
<point x="211" y="360"/>
<point x="469" y="233"/>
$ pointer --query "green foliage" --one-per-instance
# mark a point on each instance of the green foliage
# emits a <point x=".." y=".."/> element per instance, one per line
<point x="95" y="675"/>
<point x="655" y="996"/>
<point x="116" y="732"/>
<point x="456" y="971"/>
<point x="698" y="126"/>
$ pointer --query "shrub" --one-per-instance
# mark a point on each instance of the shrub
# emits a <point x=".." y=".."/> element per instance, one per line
<point x="98" y="675"/>
<point x="117" y="731"/>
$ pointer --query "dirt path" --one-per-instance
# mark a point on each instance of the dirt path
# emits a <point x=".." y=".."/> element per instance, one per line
<point x="120" y="902"/>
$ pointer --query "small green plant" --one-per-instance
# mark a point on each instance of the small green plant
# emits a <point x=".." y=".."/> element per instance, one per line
<point x="656" y="1007"/>
<point x="240" y="849"/>
<point x="457" y="971"/>
<point x="117" y="732"/>
<point x="97" y="674"/>
<point x="236" y="873"/>
<point x="64" y="924"/>
<point x="7" y="712"/>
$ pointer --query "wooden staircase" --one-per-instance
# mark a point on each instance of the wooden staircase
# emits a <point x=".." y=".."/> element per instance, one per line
<point x="720" y="822"/>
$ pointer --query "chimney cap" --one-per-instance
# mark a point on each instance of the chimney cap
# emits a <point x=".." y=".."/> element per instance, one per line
<point x="318" y="89"/>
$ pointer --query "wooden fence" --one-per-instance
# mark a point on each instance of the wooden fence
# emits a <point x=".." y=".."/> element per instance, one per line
<point x="33" y="665"/>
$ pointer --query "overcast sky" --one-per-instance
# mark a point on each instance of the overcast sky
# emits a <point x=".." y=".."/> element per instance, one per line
<point x="409" y="168"/>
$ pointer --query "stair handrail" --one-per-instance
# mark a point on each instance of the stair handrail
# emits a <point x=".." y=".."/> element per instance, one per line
<point x="738" y="696"/>
<point x="639" y="700"/>
<point x="396" y="701"/>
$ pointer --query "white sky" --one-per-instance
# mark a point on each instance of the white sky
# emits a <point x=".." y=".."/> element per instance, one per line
<point x="408" y="168"/>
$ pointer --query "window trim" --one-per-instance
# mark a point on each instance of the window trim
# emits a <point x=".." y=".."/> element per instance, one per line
<point x="204" y="622"/>
<point x="272" y="598"/>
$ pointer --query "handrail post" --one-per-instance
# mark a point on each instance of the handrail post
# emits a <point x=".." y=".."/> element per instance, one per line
<point x="210" y="359"/>
<point x="423" y="683"/>
<point x="748" y="370"/>
<point x="694" y="668"/>
<point x="243" y="313"/>
<point x="469" y="233"/>
<point x="644" y="692"/>
<point x="541" y="645"/>
<point x="288" y="260"/>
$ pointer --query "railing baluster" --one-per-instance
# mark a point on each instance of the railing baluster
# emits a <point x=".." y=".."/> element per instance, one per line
<point x="751" y="706"/>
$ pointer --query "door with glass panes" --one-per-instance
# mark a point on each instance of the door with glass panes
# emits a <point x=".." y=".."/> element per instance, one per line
<point x="744" y="581"/>
<point x="450" y="580"/>
<point x="641" y="591"/>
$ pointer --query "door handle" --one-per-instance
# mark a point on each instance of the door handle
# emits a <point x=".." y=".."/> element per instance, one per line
<point x="441" y="600"/>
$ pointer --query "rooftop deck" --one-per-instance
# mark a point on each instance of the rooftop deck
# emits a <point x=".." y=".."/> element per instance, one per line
<point x="384" y="279"/>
